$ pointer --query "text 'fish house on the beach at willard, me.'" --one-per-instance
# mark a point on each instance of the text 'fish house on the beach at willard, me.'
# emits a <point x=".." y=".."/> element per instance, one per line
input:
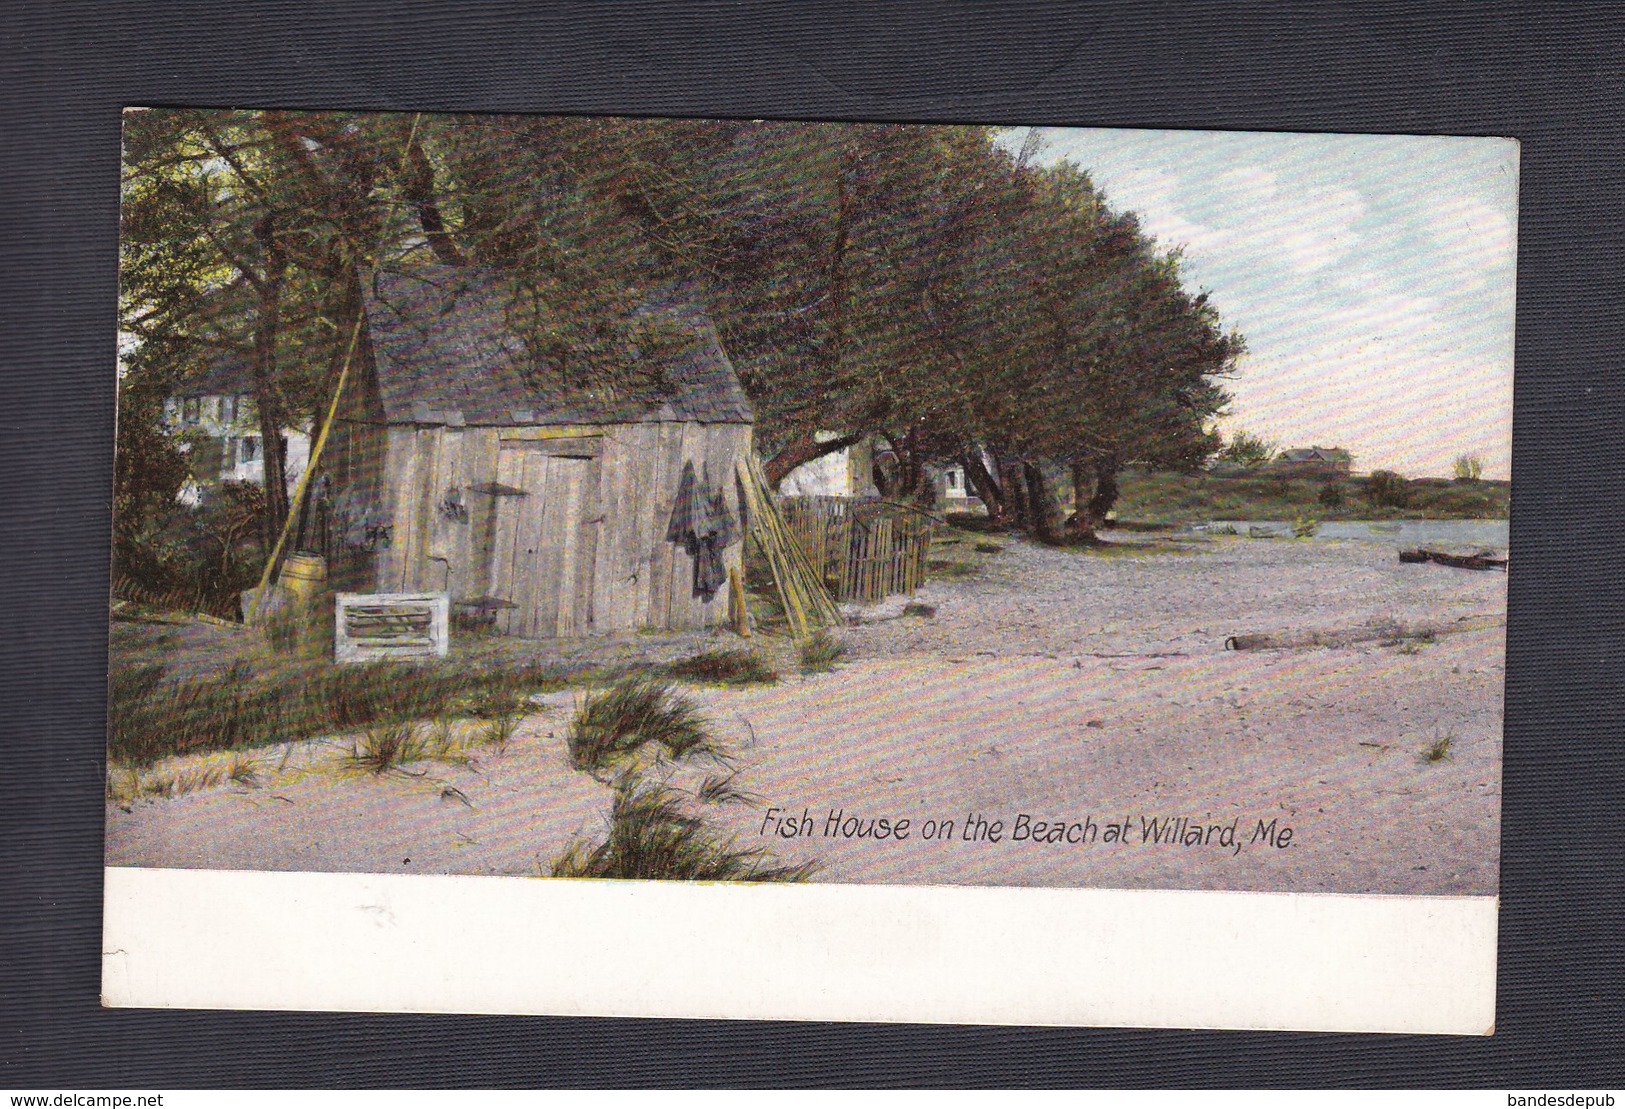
<point x="550" y="507"/>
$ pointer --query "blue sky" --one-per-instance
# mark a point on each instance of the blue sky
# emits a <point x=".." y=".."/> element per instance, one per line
<point x="1373" y="276"/>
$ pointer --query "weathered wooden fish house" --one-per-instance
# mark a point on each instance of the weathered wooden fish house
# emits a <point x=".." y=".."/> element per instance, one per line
<point x="542" y="506"/>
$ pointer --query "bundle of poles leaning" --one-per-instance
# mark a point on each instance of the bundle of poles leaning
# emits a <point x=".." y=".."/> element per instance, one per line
<point x="806" y="602"/>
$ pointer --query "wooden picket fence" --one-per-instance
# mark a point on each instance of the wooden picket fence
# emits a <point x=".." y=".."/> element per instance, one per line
<point x="863" y="551"/>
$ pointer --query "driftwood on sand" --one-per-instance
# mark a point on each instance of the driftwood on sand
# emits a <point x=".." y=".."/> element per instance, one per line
<point x="1386" y="632"/>
<point x="1483" y="560"/>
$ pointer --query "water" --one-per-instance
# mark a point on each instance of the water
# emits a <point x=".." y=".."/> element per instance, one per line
<point x="1451" y="535"/>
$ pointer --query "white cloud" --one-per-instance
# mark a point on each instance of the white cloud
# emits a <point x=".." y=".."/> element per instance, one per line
<point x="1370" y="274"/>
<point x="1248" y="184"/>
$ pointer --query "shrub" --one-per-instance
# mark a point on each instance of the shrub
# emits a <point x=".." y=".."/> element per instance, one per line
<point x="724" y="668"/>
<point x="820" y="651"/>
<point x="1386" y="489"/>
<point x="650" y="836"/>
<point x="1331" y="495"/>
<point x="635" y="711"/>
<point x="1247" y="449"/>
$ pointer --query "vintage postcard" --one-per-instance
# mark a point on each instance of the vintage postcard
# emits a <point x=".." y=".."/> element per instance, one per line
<point x="809" y="570"/>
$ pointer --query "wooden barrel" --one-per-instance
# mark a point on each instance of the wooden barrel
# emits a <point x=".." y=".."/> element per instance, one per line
<point x="304" y="576"/>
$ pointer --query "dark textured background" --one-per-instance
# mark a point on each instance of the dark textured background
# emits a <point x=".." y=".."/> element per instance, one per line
<point x="1551" y="75"/>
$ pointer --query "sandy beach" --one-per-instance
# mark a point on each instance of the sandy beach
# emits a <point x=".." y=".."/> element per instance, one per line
<point x="1056" y="693"/>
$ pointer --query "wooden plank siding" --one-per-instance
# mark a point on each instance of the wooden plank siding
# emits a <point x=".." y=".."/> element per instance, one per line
<point x="568" y="524"/>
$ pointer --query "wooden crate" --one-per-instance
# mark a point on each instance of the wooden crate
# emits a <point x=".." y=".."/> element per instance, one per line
<point x="368" y="627"/>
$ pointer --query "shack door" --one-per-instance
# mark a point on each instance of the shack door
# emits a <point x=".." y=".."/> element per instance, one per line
<point x="545" y="541"/>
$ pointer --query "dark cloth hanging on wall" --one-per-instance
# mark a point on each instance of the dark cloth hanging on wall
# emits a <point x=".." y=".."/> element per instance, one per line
<point x="701" y="522"/>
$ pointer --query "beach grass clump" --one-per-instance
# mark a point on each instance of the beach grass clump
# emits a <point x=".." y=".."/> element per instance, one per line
<point x="724" y="668"/>
<point x="635" y="712"/>
<point x="243" y="771"/>
<point x="988" y="548"/>
<point x="153" y="716"/>
<point x="719" y="789"/>
<point x="500" y="728"/>
<point x="1438" y="750"/>
<point x="820" y="652"/>
<point x="916" y="608"/>
<point x="388" y="745"/>
<point x="949" y="568"/>
<point x="651" y="836"/>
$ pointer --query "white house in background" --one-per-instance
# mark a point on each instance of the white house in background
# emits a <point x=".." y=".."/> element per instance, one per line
<point x="215" y="412"/>
<point x="948" y="483"/>
<point x="848" y="472"/>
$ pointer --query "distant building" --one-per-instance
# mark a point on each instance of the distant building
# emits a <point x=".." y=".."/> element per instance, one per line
<point x="848" y="472"/>
<point x="216" y="413"/>
<point x="948" y="485"/>
<point x="1313" y="462"/>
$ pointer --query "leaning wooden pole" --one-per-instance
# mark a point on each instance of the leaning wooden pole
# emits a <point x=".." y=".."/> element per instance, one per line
<point x="327" y="425"/>
<point x="806" y="601"/>
<point x="304" y="478"/>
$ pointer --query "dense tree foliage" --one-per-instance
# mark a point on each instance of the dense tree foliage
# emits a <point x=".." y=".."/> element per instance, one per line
<point x="922" y="285"/>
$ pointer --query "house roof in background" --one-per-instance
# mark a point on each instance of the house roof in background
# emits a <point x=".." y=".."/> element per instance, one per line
<point x="230" y="373"/>
<point x="445" y="353"/>
<point x="1314" y="454"/>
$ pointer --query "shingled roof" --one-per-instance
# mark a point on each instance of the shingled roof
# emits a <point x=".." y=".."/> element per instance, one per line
<point x="228" y="373"/>
<point x="445" y="354"/>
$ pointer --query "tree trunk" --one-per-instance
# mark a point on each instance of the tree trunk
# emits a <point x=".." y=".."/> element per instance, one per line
<point x="1013" y="479"/>
<point x="910" y="456"/>
<point x="265" y="402"/>
<point x="1045" y="509"/>
<point x="1082" y="524"/>
<point x="987" y="488"/>
<point x="419" y="182"/>
<point x="1106" y="490"/>
<point x="803" y="449"/>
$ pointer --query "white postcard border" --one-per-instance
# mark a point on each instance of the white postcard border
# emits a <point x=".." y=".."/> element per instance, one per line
<point x="1147" y="958"/>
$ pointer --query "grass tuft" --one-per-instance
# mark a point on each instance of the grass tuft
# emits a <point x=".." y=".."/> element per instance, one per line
<point x="1438" y="750"/>
<point x="724" y="668"/>
<point x="915" y="608"/>
<point x="820" y="651"/>
<point x="718" y="789"/>
<point x="389" y="745"/>
<point x="500" y="728"/>
<point x="652" y="837"/>
<point x="636" y="711"/>
<point x="243" y="771"/>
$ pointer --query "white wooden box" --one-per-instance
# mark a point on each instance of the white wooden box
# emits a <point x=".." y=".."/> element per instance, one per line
<point x="368" y="627"/>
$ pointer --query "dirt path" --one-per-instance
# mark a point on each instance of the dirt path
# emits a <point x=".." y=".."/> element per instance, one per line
<point x="1082" y="689"/>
